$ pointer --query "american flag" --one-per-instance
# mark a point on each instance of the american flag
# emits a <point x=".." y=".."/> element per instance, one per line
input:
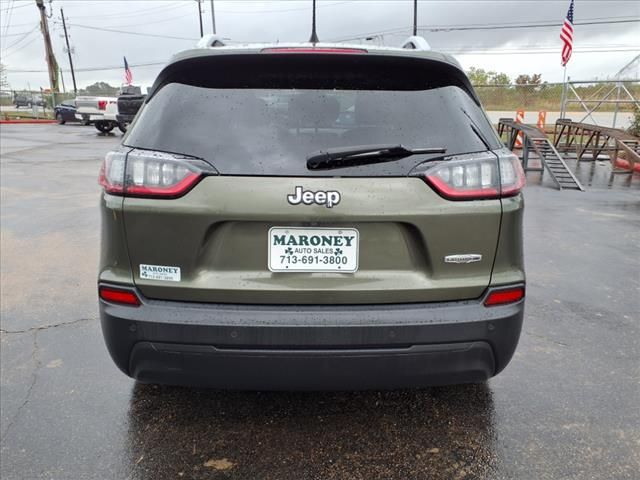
<point x="566" y="35"/>
<point x="128" y="76"/>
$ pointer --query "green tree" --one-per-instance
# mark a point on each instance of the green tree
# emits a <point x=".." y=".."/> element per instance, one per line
<point x="501" y="79"/>
<point x="479" y="76"/>
<point x="524" y="79"/>
<point x="99" y="88"/>
<point x="634" y="128"/>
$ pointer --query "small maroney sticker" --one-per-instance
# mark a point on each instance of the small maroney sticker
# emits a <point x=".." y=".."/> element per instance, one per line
<point x="160" y="272"/>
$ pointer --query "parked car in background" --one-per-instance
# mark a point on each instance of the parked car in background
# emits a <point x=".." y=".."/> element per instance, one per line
<point x="103" y="111"/>
<point x="28" y="99"/>
<point x="128" y="105"/>
<point x="66" y="112"/>
<point x="38" y="101"/>
<point x="22" y="100"/>
<point x="94" y="109"/>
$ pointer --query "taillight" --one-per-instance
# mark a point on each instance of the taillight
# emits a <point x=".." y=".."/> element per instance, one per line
<point x="102" y="104"/>
<point x="112" y="172"/>
<point x="116" y="295"/>
<point x="477" y="177"/>
<point x="144" y="173"/>
<point x="504" y="297"/>
<point x="511" y="176"/>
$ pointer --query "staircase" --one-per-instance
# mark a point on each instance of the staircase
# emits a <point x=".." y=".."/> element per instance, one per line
<point x="553" y="162"/>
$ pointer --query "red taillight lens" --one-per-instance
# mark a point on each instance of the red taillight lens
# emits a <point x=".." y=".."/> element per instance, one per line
<point x="116" y="295"/>
<point x="144" y="173"/>
<point x="479" y="177"/>
<point x="503" y="297"/>
<point x="112" y="172"/>
<point x="511" y="176"/>
<point x="313" y="50"/>
<point x="102" y="104"/>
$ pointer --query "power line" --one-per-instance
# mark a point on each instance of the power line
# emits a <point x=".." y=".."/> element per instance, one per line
<point x="546" y="50"/>
<point x="89" y="27"/>
<point x="145" y="12"/>
<point x="8" y="22"/>
<point x="16" y="34"/>
<point x="21" y="38"/>
<point x="534" y="52"/>
<point x="170" y="19"/>
<point x="96" y="69"/>
<point x="284" y="10"/>
<point x="12" y="7"/>
<point x="22" y="47"/>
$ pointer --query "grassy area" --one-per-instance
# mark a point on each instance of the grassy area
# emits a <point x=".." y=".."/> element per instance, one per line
<point x="548" y="97"/>
<point x="26" y="114"/>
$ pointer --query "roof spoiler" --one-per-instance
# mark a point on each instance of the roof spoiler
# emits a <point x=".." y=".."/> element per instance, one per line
<point x="416" y="43"/>
<point x="208" y="41"/>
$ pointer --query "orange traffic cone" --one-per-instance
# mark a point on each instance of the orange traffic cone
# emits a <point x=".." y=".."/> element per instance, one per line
<point x="519" y="119"/>
<point x="542" y="120"/>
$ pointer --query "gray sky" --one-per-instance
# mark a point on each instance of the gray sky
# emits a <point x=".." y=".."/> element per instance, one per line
<point x="510" y="50"/>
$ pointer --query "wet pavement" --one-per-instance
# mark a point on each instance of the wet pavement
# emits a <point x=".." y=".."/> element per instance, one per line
<point x="566" y="407"/>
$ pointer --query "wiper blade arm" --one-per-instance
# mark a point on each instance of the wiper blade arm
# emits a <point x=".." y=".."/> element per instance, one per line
<point x="342" y="157"/>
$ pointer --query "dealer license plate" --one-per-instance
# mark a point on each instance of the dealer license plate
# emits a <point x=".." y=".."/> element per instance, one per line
<point x="293" y="249"/>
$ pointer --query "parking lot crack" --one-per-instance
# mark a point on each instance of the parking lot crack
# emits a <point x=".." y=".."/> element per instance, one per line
<point x="46" y="327"/>
<point x="35" y="357"/>
<point x="542" y="337"/>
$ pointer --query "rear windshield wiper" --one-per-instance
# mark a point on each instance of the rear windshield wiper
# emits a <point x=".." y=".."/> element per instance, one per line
<point x="363" y="155"/>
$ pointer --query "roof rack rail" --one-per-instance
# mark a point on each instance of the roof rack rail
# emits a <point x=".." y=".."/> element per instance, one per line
<point x="208" y="41"/>
<point x="416" y="43"/>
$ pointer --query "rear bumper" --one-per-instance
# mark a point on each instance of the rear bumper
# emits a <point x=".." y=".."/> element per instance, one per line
<point x="124" y="118"/>
<point x="272" y="347"/>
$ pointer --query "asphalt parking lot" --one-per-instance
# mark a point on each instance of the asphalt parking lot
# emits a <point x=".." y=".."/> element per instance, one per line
<point x="565" y="408"/>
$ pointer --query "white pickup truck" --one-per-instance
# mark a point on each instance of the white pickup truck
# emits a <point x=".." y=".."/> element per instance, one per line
<point x="101" y="111"/>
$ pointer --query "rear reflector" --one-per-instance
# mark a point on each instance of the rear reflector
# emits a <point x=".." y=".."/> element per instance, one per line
<point x="503" y="297"/>
<point x="312" y="50"/>
<point x="123" y="297"/>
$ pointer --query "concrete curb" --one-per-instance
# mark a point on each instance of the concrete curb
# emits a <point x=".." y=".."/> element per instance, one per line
<point x="28" y="120"/>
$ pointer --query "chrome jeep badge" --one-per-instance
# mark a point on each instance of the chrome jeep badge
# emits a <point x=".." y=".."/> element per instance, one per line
<point x="328" y="198"/>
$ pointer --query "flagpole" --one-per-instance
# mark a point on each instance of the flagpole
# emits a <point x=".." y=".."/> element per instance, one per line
<point x="563" y="104"/>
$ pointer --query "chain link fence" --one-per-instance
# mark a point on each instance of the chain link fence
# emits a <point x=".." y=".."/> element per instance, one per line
<point x="499" y="101"/>
<point x="612" y="107"/>
<point x="22" y="104"/>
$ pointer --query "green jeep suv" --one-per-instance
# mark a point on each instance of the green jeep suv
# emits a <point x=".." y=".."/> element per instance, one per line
<point x="311" y="217"/>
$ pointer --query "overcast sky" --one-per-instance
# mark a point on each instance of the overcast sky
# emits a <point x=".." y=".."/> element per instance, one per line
<point x="510" y="50"/>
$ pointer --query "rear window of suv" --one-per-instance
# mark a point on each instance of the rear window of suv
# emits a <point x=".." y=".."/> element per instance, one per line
<point x="269" y="122"/>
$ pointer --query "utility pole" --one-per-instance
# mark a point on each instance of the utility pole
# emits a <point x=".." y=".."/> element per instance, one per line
<point x="64" y="89"/>
<point x="213" y="18"/>
<point x="415" y="17"/>
<point x="66" y="37"/>
<point x="50" y="57"/>
<point x="200" y="17"/>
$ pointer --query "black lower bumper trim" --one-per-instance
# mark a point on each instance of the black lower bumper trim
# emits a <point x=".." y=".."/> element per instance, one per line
<point x="244" y="369"/>
<point x="311" y="347"/>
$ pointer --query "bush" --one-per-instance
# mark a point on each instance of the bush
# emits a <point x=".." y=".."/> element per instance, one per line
<point x="634" y="128"/>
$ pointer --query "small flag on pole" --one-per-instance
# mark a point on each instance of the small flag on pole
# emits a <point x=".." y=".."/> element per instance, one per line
<point x="128" y="76"/>
<point x="566" y="35"/>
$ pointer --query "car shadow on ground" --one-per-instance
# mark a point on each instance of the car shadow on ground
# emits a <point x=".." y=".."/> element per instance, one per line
<point x="445" y="431"/>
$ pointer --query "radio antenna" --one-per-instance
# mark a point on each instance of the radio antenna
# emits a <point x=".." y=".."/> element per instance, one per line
<point x="314" y="35"/>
